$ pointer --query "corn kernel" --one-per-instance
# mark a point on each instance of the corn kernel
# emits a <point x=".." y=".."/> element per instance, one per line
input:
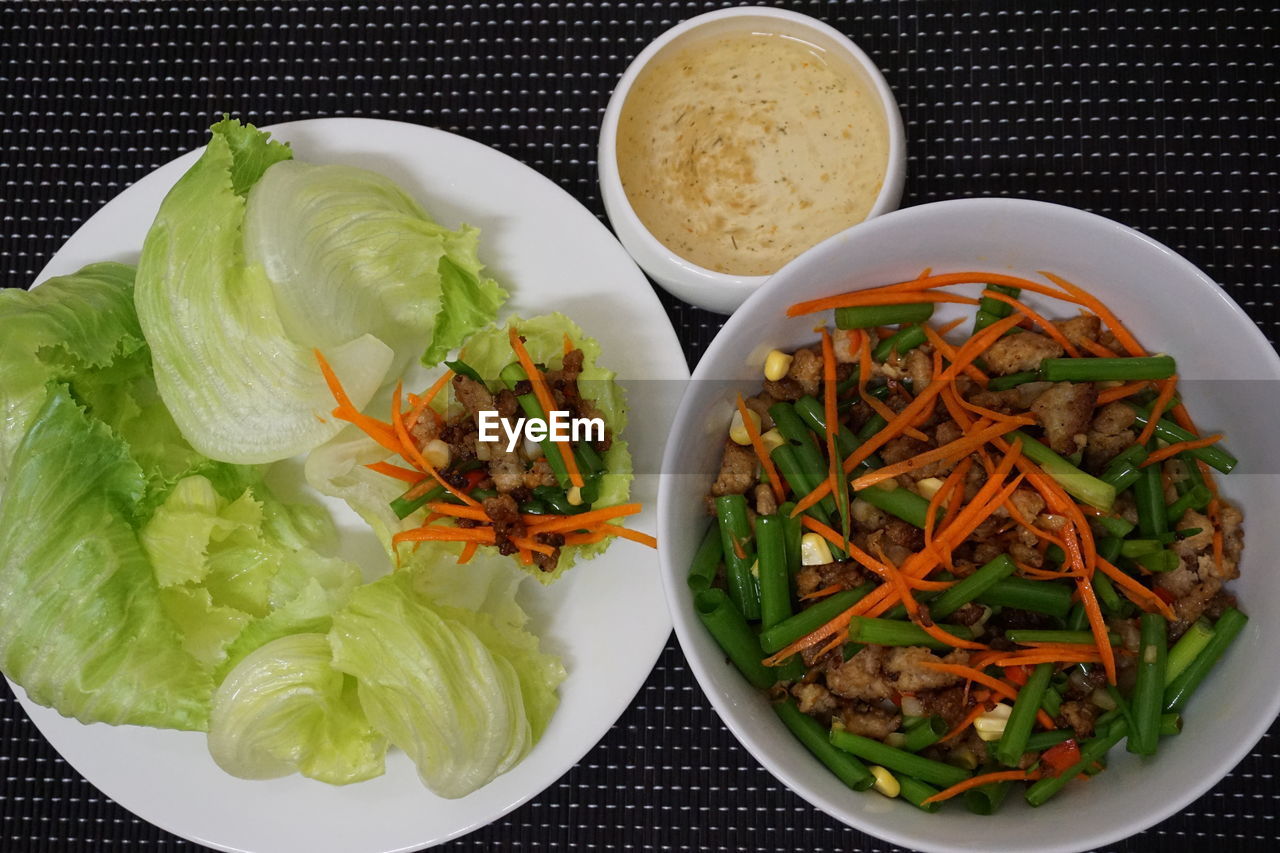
<point x="990" y="726"/>
<point x="928" y="487"/>
<point x="885" y="782"/>
<point x="897" y="740"/>
<point x="437" y="453"/>
<point x="777" y="364"/>
<point x="574" y="495"/>
<point x="772" y="440"/>
<point x="814" y="550"/>
<point x="738" y="432"/>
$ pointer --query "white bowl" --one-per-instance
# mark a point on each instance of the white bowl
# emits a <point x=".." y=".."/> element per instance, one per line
<point x="1229" y="372"/>
<point x="706" y="288"/>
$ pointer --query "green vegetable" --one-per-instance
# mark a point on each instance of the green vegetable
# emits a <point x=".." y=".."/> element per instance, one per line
<point x="870" y="316"/>
<point x="702" y="571"/>
<point x="1077" y="483"/>
<point x="1107" y="369"/>
<point x="810" y="732"/>
<point x="1149" y="689"/>
<point x="349" y="253"/>
<point x="952" y="599"/>
<point x="285" y="709"/>
<point x="239" y="385"/>
<point x="465" y="694"/>
<point x="903" y="341"/>
<point x="726" y="624"/>
<point x="898" y="760"/>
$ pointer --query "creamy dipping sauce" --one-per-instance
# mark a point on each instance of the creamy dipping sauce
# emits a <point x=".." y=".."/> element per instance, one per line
<point x="740" y="151"/>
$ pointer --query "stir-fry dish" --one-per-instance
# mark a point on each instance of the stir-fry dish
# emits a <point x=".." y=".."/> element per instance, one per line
<point x="957" y="565"/>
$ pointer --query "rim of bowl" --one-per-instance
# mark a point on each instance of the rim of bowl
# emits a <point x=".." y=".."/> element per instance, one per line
<point x="684" y="621"/>
<point x="692" y="282"/>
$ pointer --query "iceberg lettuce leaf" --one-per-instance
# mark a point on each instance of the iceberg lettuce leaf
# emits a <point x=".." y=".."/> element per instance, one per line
<point x="238" y="386"/>
<point x="348" y="252"/>
<point x="465" y="695"/>
<point x="82" y="625"/>
<point x="285" y="709"/>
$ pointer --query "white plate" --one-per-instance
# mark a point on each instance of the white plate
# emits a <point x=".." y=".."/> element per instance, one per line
<point x="552" y="254"/>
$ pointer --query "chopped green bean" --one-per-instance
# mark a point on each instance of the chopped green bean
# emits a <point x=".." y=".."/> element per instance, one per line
<point x="811" y="618"/>
<point x="1077" y="483"/>
<point x="1225" y="631"/>
<point x="991" y="310"/>
<point x="810" y="732"/>
<point x="404" y="506"/>
<point x="1040" y="741"/>
<point x="739" y="556"/>
<point x="1022" y="594"/>
<point x="1013" y="742"/>
<point x="986" y="799"/>
<point x="889" y="632"/>
<point x="870" y="316"/>
<point x="1091" y="751"/>
<point x="775" y="580"/>
<point x="965" y="591"/>
<point x="1012" y="380"/>
<point x="903" y="341"/>
<point x="727" y="625"/>
<point x="1187" y="649"/>
<point x="898" y="760"/>
<point x="1213" y="455"/>
<point x="926" y="732"/>
<point x="1148" y="494"/>
<point x="1107" y="369"/>
<point x="1148" y="690"/>
<point x="706" y="560"/>
<point x="900" y="502"/>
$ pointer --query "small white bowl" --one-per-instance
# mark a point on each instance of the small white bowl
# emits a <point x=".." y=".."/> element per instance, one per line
<point x="1229" y="373"/>
<point x="706" y="288"/>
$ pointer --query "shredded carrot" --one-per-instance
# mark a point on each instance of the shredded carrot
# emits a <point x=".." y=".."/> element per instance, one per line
<point x="757" y="444"/>
<point x="468" y="551"/>
<point x="962" y="726"/>
<point x="1035" y="317"/>
<point x="372" y="427"/>
<point x="548" y="403"/>
<point x="424" y="402"/>
<point x="821" y="593"/>
<point x="865" y="367"/>
<point x="406" y="474"/>
<point x="483" y="535"/>
<point x="1167" y="388"/>
<point x="980" y="780"/>
<point x="1099" y="627"/>
<point x="960" y="447"/>
<point x="830" y="415"/>
<point x="472" y="513"/>
<point x="414" y="455"/>
<point x="971" y="674"/>
<point x="1135" y="591"/>
<point x="1097" y="349"/>
<point x="1088" y="300"/>
<point x="943" y="346"/>
<point x="1047" y="657"/>
<point x="872" y="297"/>
<point x="1183" y="419"/>
<point x="1178" y="447"/>
<point x="584" y="519"/>
<point x="1120" y="392"/>
<point x="568" y="344"/>
<point x="950" y="639"/>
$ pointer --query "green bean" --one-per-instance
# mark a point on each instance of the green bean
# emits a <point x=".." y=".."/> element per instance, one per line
<point x="1036" y="635"/>
<point x="1051" y="702"/>
<point x="898" y="760"/>
<point x="784" y="456"/>
<point x="1012" y="380"/>
<point x="1114" y="526"/>
<point x="1122" y="708"/>
<point x="404" y="506"/>
<point x="1107" y="369"/>
<point x="986" y="799"/>
<point x="775" y="580"/>
<point x="512" y="375"/>
<point x="926" y="732"/>
<point x="1170" y="725"/>
<point x="916" y="792"/>
<point x="1013" y="742"/>
<point x="1107" y="595"/>
<point x="810" y="732"/>
<point x="1170" y="433"/>
<point x="871" y="426"/>
<point x="1160" y="561"/>
<point x="902" y="342"/>
<point x="952" y="599"/>
<point x="1148" y="494"/>
<point x="870" y="316"/>
<point x="794" y="530"/>
<point x="990" y="310"/>
<point x="589" y="459"/>
<point x="1077" y="483"/>
<point x="812" y="413"/>
<point x="1040" y="741"/>
<point x="1125" y="469"/>
<point x="1148" y="690"/>
<point x="1188" y="647"/>
<point x="1092" y="750"/>
<point x="1022" y="594"/>
<point x="900" y="502"/>
<point x="1077" y="618"/>
<point x="810" y="619"/>
<point x="1137" y="547"/>
<point x="735" y="540"/>
<point x="706" y="560"/>
<point x="1225" y="630"/>
<point x="888" y="632"/>
<point x="727" y="625"/>
<point x="1197" y="497"/>
<point x="787" y="422"/>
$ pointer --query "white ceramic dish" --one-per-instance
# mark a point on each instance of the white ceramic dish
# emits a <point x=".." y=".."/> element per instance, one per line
<point x="1170" y="305"/>
<point x="706" y="288"/>
<point x="552" y="254"/>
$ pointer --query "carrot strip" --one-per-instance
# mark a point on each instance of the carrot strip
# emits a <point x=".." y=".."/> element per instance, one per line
<point x="1177" y="447"/>
<point x="1167" y="388"/>
<point x="950" y="639"/>
<point x="548" y="403"/>
<point x="568" y="344"/>
<point x="346" y="410"/>
<point x="962" y="726"/>
<point x="468" y="551"/>
<point x="472" y="513"/>
<point x="970" y="674"/>
<point x="1099" y="627"/>
<point x="980" y="780"/>
<point x="943" y="346"/>
<point x="1098" y="349"/>
<point x="1035" y="317"/>
<point x="757" y="444"/>
<point x="424" y="402"/>
<point x="406" y="474"/>
<point x="960" y="447"/>
<point x="1047" y="657"/>
<point x="483" y="535"/>
<point x="1110" y="395"/>
<point x="875" y="296"/>
<point x="585" y="519"/>
<point x="821" y="593"/>
<point x="411" y="452"/>
<point x="1088" y="300"/>
<point x="1135" y="591"/>
<point x="530" y="544"/>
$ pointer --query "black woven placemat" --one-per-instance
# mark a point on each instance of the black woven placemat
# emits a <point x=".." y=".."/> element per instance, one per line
<point x="1164" y="119"/>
